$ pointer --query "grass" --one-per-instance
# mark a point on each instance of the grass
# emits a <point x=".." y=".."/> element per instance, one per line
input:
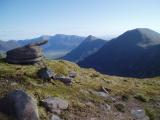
<point x="120" y="107"/>
<point x="81" y="90"/>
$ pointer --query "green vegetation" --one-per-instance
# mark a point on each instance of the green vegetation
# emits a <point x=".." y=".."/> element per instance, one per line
<point x="142" y="98"/>
<point x="82" y="89"/>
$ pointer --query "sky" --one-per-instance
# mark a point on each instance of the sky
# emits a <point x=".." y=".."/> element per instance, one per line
<point x="24" y="19"/>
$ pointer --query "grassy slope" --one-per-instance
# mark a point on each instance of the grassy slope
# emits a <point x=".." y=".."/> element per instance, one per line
<point x="81" y="91"/>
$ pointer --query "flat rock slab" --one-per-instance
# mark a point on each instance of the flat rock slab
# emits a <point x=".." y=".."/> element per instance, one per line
<point x="20" y="105"/>
<point x="54" y="104"/>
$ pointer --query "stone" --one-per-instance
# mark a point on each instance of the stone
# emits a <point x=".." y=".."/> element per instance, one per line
<point x="45" y="73"/>
<point x="105" y="107"/>
<point x="103" y="94"/>
<point x="54" y="104"/>
<point x="28" y="54"/>
<point x="20" y="105"/>
<point x="145" y="118"/>
<point x="65" y="80"/>
<point x="138" y="113"/>
<point x="72" y="74"/>
<point x="55" y="117"/>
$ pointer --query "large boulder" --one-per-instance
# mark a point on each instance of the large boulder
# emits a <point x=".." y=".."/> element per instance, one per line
<point x="28" y="54"/>
<point x="20" y="105"/>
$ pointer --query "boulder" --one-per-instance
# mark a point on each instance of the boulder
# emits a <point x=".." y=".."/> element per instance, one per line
<point x="28" y="54"/>
<point x="46" y="73"/>
<point x="20" y="105"/>
<point x="54" y="104"/>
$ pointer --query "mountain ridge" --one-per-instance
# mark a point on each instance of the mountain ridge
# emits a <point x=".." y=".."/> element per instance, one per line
<point x="128" y="55"/>
<point x="89" y="46"/>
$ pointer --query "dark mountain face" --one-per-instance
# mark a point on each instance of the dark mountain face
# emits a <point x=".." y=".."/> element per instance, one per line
<point x="89" y="46"/>
<point x="135" y="53"/>
<point x="7" y="45"/>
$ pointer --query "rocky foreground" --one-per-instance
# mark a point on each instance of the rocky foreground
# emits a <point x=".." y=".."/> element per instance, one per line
<point x="89" y="96"/>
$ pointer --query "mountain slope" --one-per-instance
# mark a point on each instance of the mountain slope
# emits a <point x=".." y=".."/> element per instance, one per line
<point x="86" y="98"/>
<point x="89" y="46"/>
<point x="7" y="45"/>
<point x="134" y="53"/>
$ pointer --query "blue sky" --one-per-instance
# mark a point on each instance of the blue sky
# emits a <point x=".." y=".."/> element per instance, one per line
<point x="21" y="19"/>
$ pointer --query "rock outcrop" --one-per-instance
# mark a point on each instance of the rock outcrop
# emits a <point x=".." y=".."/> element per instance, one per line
<point x="19" y="105"/>
<point x="28" y="54"/>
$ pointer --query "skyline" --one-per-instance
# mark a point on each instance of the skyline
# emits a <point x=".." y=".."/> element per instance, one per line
<point x="24" y="19"/>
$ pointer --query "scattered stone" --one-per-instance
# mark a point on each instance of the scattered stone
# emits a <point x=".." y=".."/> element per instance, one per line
<point x="105" y="107"/>
<point x="139" y="114"/>
<point x="55" y="117"/>
<point x="54" y="104"/>
<point x="28" y="54"/>
<point x="65" y="80"/>
<point x="46" y="73"/>
<point x="20" y="105"/>
<point x="103" y="94"/>
<point x="72" y="74"/>
<point x="14" y="83"/>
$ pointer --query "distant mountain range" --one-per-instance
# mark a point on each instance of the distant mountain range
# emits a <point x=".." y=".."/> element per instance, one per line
<point x="57" y="45"/>
<point x="136" y="53"/>
<point x="7" y="45"/>
<point x="89" y="46"/>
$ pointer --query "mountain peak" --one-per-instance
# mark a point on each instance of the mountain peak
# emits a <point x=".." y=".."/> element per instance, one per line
<point x="90" y="37"/>
<point x="142" y="37"/>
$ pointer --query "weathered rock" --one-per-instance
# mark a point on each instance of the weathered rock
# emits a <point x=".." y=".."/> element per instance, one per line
<point x="28" y="54"/>
<point x="72" y="74"/>
<point x="65" y="80"/>
<point x="54" y="104"/>
<point x="20" y="105"/>
<point x="55" y="117"/>
<point x="139" y="114"/>
<point x="45" y="73"/>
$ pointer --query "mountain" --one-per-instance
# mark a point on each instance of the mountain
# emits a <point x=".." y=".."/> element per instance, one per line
<point x="57" y="45"/>
<point x="136" y="53"/>
<point x="58" y="42"/>
<point x="89" y="46"/>
<point x="7" y="45"/>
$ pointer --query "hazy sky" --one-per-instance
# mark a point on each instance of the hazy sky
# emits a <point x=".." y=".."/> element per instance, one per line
<point x="21" y="19"/>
